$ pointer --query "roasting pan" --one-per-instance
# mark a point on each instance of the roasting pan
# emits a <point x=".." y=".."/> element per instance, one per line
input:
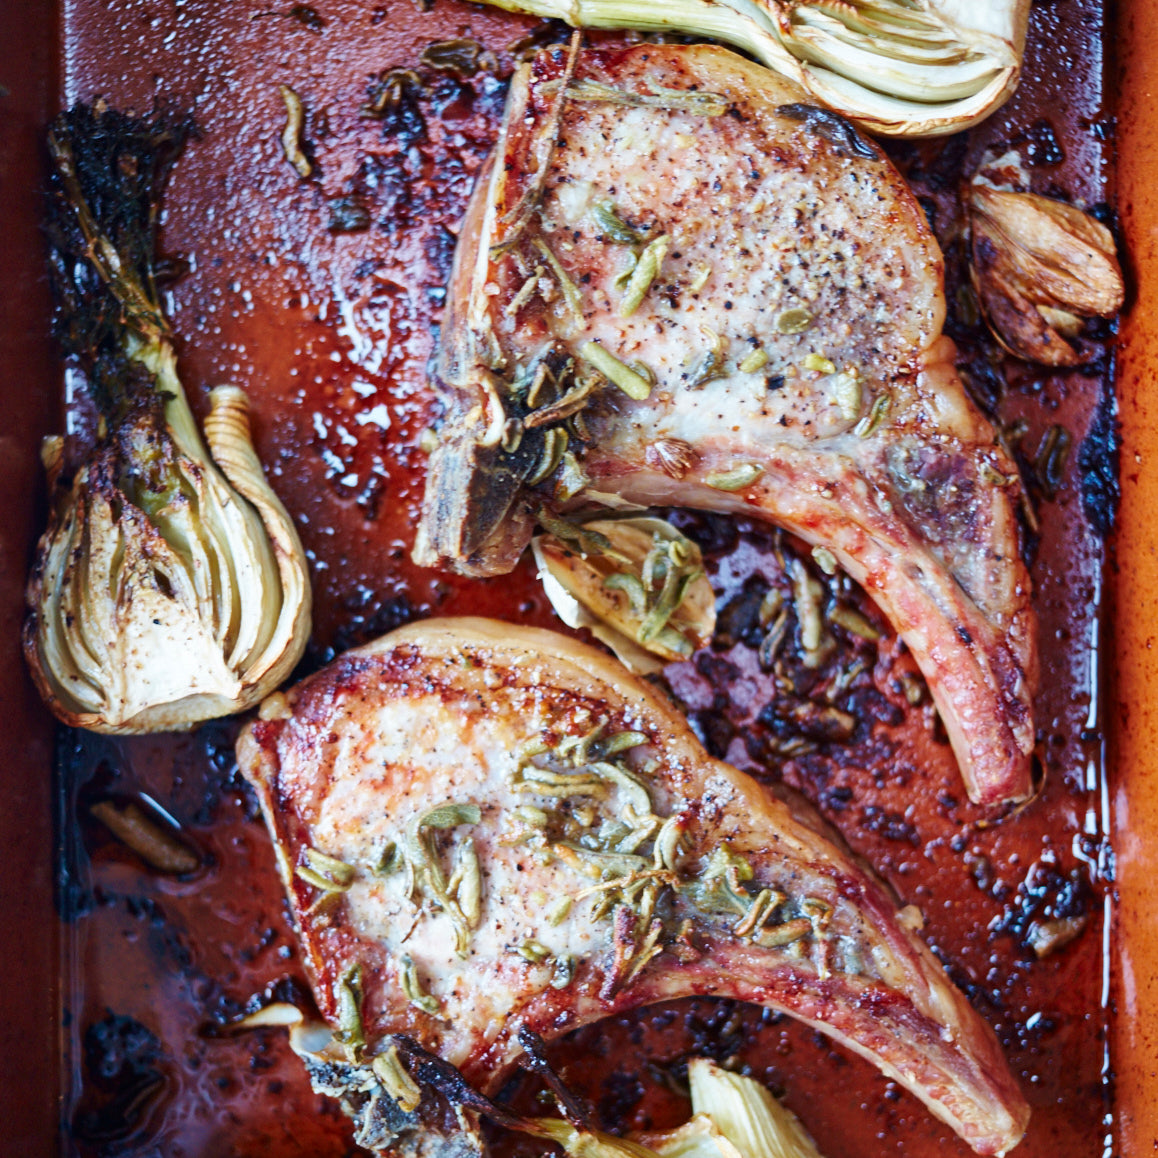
<point x="31" y="1033"/>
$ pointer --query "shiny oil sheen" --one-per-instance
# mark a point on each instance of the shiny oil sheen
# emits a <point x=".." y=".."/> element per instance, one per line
<point x="331" y="333"/>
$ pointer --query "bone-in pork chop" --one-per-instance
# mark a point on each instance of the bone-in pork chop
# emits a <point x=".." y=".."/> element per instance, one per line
<point x="678" y="283"/>
<point x="483" y="827"/>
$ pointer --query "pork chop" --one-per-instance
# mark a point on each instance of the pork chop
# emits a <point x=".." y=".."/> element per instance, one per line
<point x="484" y="827"/>
<point x="679" y="284"/>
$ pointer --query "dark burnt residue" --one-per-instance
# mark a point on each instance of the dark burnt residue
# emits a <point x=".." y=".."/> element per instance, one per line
<point x="392" y="98"/>
<point x="1099" y="463"/>
<point x="1048" y="906"/>
<point x="331" y="331"/>
<point x="1039" y="144"/>
<point x="123" y="1063"/>
<point x="620" y="1093"/>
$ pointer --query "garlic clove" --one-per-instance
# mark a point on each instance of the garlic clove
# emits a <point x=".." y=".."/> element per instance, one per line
<point x="1038" y="266"/>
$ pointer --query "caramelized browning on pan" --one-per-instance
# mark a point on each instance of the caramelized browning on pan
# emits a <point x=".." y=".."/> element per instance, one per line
<point x="321" y="297"/>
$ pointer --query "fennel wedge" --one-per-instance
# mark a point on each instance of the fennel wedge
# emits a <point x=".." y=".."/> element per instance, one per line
<point x="903" y="68"/>
<point x="170" y="586"/>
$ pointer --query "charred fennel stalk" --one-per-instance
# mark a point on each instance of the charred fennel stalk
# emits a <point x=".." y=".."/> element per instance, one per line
<point x="899" y="67"/>
<point x="170" y="586"/>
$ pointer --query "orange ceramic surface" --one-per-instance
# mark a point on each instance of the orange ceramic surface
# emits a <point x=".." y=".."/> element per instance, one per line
<point x="1134" y="686"/>
<point x="29" y="965"/>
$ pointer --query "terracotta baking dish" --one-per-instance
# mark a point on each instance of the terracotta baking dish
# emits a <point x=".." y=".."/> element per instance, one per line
<point x="30" y="953"/>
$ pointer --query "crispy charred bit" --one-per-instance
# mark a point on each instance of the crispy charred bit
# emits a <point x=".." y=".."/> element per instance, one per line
<point x="751" y="301"/>
<point x="601" y="859"/>
<point x="833" y="128"/>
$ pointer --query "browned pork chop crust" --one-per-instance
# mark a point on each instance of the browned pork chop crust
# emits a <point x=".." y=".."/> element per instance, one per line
<point x="792" y="327"/>
<point x="483" y="827"/>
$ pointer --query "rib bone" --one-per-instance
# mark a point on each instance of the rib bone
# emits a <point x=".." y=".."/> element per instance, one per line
<point x="483" y="827"/>
<point x="791" y="313"/>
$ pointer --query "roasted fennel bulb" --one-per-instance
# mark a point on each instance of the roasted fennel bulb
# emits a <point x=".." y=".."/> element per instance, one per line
<point x="636" y="582"/>
<point x="904" y="68"/>
<point x="170" y="586"/>
<point x="733" y="1117"/>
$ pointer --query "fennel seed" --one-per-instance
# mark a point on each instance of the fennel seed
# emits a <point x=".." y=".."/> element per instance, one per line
<point x="291" y="135"/>
<point x="622" y="742"/>
<point x="396" y="1080"/>
<point x="460" y="57"/>
<point x="561" y="409"/>
<point x="533" y="951"/>
<point x="992" y="475"/>
<point x="531" y="815"/>
<point x="468" y="890"/>
<point x="389" y="860"/>
<point x="612" y="226"/>
<point x="666" y="848"/>
<point x="913" y="688"/>
<point x="825" y="560"/>
<point x="644" y="273"/>
<point x="774" y="639"/>
<point x="617" y="372"/>
<point x="348" y="997"/>
<point x="624" y="275"/>
<point x="512" y="437"/>
<point x="764" y="905"/>
<point x="770" y="606"/>
<point x="544" y="782"/>
<point x="794" y="320"/>
<point x="336" y="873"/>
<point x="876" y="415"/>
<point x="756" y="360"/>
<point x="559" y="911"/>
<point x="852" y="621"/>
<point x="555" y="443"/>
<point x="736" y="479"/>
<point x="712" y="365"/>
<point x="1050" y="462"/>
<point x="700" y="278"/>
<point x="650" y="949"/>
<point x="807" y="594"/>
<point x="819" y="363"/>
<point x="777" y="936"/>
<point x="572" y="478"/>
<point x="450" y="816"/>
<point x="569" y="289"/>
<point x="819" y="913"/>
<point x="526" y="291"/>
<point x="413" y="990"/>
<point x="389" y="91"/>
